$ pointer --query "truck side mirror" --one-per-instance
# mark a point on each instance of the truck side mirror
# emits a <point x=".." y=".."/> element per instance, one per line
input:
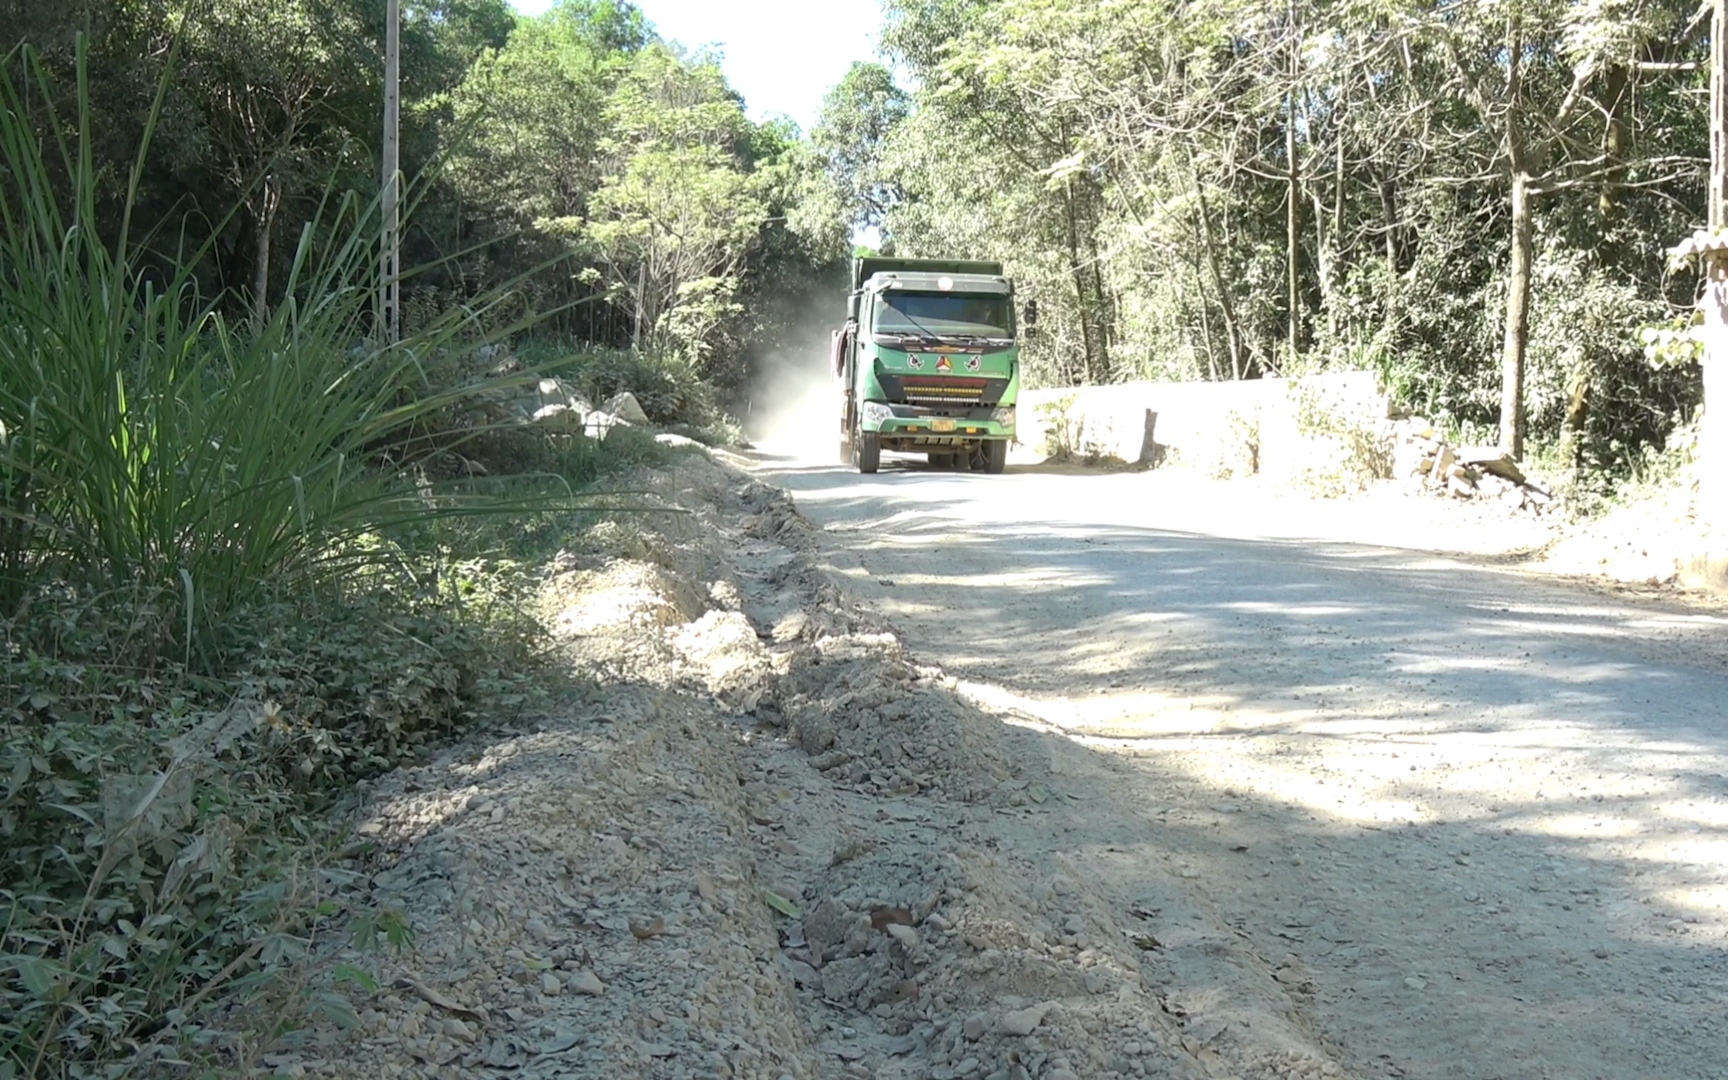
<point x="1031" y="314"/>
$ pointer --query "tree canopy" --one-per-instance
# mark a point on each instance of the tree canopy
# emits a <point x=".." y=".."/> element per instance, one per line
<point x="613" y="178"/>
<point x="1474" y="199"/>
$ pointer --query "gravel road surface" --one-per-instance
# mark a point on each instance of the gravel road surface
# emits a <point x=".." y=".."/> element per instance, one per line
<point x="1472" y="822"/>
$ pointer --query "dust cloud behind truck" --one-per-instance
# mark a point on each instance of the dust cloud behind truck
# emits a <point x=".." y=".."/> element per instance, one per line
<point x="929" y="363"/>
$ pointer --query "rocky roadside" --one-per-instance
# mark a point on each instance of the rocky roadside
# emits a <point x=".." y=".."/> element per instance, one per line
<point x="767" y="843"/>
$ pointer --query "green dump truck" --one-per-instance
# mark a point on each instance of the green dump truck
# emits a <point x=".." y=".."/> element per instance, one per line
<point x="929" y="363"/>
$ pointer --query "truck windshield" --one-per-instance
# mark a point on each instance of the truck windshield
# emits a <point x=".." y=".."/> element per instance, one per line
<point x="988" y="315"/>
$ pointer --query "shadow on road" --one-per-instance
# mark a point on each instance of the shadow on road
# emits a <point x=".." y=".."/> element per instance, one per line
<point x="1488" y="814"/>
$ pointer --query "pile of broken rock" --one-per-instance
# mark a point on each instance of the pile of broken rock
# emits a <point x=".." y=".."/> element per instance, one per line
<point x="553" y="405"/>
<point x="1424" y="459"/>
<point x="561" y="409"/>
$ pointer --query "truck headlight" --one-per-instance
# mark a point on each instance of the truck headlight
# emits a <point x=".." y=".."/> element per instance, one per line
<point x="875" y="412"/>
<point x="1005" y="417"/>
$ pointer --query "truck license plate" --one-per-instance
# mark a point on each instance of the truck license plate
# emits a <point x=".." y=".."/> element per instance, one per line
<point x="941" y="425"/>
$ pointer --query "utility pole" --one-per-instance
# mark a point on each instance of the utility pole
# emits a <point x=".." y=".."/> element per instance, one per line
<point x="1718" y="195"/>
<point x="390" y="263"/>
<point x="1712" y="252"/>
<point x="1293" y="192"/>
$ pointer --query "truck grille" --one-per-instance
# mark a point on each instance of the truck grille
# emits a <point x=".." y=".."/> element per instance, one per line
<point x="944" y="391"/>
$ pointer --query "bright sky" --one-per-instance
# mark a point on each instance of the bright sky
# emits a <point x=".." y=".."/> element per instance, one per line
<point x="783" y="56"/>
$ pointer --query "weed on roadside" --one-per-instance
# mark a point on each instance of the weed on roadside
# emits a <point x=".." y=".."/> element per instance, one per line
<point x="230" y="587"/>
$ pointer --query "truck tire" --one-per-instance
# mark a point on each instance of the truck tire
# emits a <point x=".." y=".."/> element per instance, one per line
<point x="868" y="452"/>
<point x="995" y="456"/>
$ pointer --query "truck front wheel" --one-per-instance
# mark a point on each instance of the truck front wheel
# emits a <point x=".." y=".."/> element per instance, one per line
<point x="995" y="455"/>
<point x="868" y="450"/>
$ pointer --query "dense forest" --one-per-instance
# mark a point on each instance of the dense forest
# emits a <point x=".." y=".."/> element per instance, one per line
<point x="1474" y="199"/>
<point x="609" y="178"/>
<point x="253" y="551"/>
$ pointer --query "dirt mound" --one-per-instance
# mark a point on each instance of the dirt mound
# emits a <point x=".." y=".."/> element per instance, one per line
<point x="766" y="843"/>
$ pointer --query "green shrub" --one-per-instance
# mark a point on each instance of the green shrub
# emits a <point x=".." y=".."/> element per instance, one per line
<point x="1238" y="455"/>
<point x="670" y="392"/>
<point x="150" y="444"/>
<point x="229" y="587"/>
<point x="1062" y="428"/>
<point x="164" y="837"/>
<point x="1344" y="453"/>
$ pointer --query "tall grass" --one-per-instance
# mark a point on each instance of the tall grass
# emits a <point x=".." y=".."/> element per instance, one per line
<point x="161" y="858"/>
<point x="151" y="443"/>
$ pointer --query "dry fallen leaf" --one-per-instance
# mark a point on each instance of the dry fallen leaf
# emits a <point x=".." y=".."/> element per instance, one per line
<point x="781" y="904"/>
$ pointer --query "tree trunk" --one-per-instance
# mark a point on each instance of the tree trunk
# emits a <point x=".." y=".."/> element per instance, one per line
<point x="1518" y="276"/>
<point x="1615" y="139"/>
<point x="1293" y="196"/>
<point x="1713" y="424"/>
<point x="1293" y="232"/>
<point x="1577" y="415"/>
<point x="1333" y="273"/>
<point x="1717" y="197"/>
<point x="1517" y="320"/>
<point x="1389" y="210"/>
<point x="1227" y="310"/>
<point x="1103" y="302"/>
<point x="1329" y="239"/>
<point x="1713" y="428"/>
<point x="1206" y="327"/>
<point x="268" y="199"/>
<point x="1088" y="343"/>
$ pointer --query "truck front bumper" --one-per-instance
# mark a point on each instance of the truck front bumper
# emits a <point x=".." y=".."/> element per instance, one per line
<point x="916" y="423"/>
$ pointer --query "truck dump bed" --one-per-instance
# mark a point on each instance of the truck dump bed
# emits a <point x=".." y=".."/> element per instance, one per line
<point x="864" y="269"/>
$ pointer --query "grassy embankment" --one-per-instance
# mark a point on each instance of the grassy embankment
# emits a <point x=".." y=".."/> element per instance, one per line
<point x="230" y="587"/>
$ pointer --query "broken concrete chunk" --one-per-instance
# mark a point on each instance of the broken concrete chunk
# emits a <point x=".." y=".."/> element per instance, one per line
<point x="1492" y="461"/>
<point x="626" y="408"/>
<point x="1025" y="1021"/>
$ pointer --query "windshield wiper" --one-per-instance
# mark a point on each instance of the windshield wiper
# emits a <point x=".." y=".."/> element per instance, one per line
<point x="902" y="338"/>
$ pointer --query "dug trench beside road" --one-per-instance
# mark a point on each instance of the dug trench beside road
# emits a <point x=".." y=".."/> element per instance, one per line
<point x="1441" y="817"/>
<point x="769" y="841"/>
<point x="1043" y="777"/>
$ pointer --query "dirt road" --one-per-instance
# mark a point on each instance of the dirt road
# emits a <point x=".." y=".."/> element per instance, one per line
<point x="1438" y="817"/>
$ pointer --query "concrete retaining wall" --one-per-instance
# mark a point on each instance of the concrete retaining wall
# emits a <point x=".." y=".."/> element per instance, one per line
<point x="1268" y="426"/>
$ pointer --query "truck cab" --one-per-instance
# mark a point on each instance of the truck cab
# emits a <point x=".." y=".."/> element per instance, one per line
<point x="929" y="363"/>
